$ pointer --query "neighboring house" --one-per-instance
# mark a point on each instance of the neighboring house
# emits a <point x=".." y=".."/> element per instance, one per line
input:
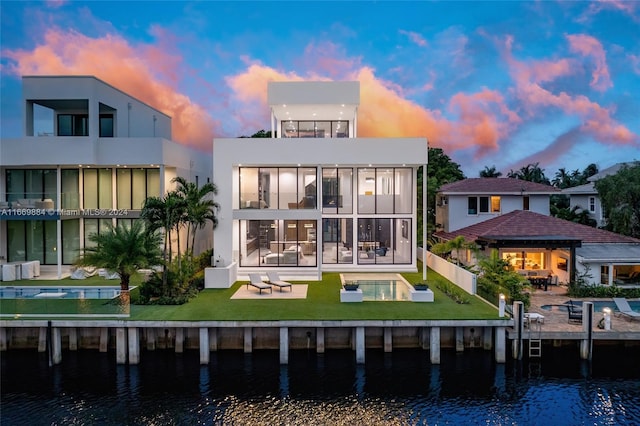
<point x="538" y="244"/>
<point x="90" y="155"/>
<point x="470" y="201"/>
<point x="586" y="196"/>
<point x="316" y="197"/>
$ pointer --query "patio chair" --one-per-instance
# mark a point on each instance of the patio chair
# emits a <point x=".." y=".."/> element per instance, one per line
<point x="625" y="310"/>
<point x="256" y="281"/>
<point x="274" y="279"/>
<point x="575" y="313"/>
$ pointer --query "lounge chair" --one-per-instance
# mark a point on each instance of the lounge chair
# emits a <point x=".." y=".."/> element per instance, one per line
<point x="256" y="281"/>
<point x="274" y="279"/>
<point x="625" y="310"/>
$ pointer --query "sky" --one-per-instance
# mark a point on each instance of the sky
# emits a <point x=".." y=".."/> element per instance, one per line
<point x="494" y="84"/>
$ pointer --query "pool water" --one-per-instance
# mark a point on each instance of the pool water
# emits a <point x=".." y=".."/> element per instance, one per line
<point x="67" y="292"/>
<point x="385" y="287"/>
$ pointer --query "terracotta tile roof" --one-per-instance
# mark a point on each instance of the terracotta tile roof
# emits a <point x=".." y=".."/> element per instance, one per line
<point x="521" y="223"/>
<point x="497" y="186"/>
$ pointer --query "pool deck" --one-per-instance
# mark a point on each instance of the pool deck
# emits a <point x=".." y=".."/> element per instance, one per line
<point x="557" y="327"/>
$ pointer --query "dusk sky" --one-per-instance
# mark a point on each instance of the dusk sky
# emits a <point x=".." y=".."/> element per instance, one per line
<point x="491" y="83"/>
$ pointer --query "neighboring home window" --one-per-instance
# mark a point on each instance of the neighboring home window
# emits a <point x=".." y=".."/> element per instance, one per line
<point x="525" y="202"/>
<point x="592" y="204"/>
<point x="443" y="200"/>
<point x="484" y="204"/>
<point x="106" y="125"/>
<point x="73" y="125"/>
<point x="495" y="204"/>
<point x="472" y="205"/>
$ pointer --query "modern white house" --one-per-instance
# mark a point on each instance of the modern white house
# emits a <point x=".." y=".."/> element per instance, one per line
<point x="471" y="201"/>
<point x="316" y="197"/>
<point x="90" y="155"/>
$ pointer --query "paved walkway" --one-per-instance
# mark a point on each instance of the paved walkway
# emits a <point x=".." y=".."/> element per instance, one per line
<point x="557" y="320"/>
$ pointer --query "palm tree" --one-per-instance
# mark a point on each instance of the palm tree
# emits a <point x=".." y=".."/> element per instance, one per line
<point x="164" y="213"/>
<point x="490" y="172"/>
<point x="199" y="208"/>
<point x="123" y="249"/>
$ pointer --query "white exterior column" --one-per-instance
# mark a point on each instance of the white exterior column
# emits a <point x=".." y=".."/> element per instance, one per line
<point x="388" y="339"/>
<point x="179" y="340"/>
<point x="500" y="345"/>
<point x="434" y="349"/>
<point x="134" y="345"/>
<point x="284" y="345"/>
<point x="320" y="340"/>
<point x="203" y="344"/>
<point x="459" y="339"/>
<point x="360" y="345"/>
<point x="56" y="345"/>
<point x="121" y="346"/>
<point x="248" y="340"/>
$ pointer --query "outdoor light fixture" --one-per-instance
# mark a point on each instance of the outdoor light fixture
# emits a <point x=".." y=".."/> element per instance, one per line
<point x="607" y="318"/>
<point x="501" y="305"/>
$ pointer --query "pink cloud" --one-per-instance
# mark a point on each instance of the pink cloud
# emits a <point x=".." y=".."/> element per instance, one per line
<point x="635" y="63"/>
<point x="147" y="72"/>
<point x="625" y="6"/>
<point x="596" y="120"/>
<point x="590" y="47"/>
<point x="415" y="38"/>
<point x="483" y="118"/>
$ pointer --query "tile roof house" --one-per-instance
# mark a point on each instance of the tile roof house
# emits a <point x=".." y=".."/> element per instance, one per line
<point x="471" y="201"/>
<point x="586" y="196"/>
<point x="535" y="242"/>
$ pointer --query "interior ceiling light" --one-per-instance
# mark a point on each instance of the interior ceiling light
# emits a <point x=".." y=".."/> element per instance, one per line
<point x="369" y="180"/>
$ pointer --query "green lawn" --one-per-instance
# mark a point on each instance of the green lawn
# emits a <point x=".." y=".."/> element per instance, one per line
<point x="322" y="303"/>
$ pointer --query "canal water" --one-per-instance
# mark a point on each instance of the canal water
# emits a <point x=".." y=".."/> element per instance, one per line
<point x="401" y="388"/>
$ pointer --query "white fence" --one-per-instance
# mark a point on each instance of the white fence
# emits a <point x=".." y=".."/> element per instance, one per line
<point x="457" y="275"/>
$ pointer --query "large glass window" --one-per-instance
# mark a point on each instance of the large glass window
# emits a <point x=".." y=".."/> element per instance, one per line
<point x="315" y="129"/>
<point x="278" y="243"/>
<point x="106" y="125"/>
<point x="70" y="196"/>
<point x="70" y="240"/>
<point x="73" y="125"/>
<point x="27" y="187"/>
<point x="134" y="186"/>
<point x="337" y="190"/>
<point x="385" y="190"/>
<point x="97" y="189"/>
<point x="32" y="240"/>
<point x="384" y="241"/>
<point x="337" y="241"/>
<point x="94" y="226"/>
<point x="278" y="188"/>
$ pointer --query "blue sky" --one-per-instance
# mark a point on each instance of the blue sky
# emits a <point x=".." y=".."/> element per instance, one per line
<point x="491" y="83"/>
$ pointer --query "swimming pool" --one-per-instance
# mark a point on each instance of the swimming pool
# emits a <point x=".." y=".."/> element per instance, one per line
<point x="380" y="287"/>
<point x="60" y="292"/>
<point x="598" y="305"/>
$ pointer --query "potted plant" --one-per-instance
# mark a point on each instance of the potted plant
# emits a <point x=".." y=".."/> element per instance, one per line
<point x="350" y="285"/>
<point x="421" y="286"/>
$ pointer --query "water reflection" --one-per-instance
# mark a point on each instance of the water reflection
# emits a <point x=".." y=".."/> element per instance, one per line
<point x="397" y="388"/>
